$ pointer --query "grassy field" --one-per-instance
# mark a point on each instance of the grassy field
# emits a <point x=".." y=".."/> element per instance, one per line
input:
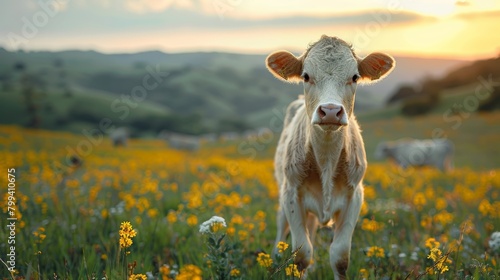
<point x="70" y="216"/>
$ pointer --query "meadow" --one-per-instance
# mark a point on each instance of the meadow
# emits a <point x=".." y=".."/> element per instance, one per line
<point x="135" y="213"/>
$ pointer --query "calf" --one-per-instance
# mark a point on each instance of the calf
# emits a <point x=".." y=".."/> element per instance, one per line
<point x="410" y="152"/>
<point x="320" y="159"/>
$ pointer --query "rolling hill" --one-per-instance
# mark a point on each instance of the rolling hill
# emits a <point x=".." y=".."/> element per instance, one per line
<point x="191" y="92"/>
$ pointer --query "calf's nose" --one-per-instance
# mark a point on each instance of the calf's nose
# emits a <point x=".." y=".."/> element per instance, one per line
<point x="331" y="113"/>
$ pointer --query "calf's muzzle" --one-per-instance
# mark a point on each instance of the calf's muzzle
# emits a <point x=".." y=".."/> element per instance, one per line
<point x="331" y="114"/>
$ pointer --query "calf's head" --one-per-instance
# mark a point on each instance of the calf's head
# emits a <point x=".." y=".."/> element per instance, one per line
<point x="330" y="71"/>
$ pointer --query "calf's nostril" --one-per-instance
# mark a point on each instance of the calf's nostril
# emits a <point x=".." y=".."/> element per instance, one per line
<point x="339" y="113"/>
<point x="321" y="112"/>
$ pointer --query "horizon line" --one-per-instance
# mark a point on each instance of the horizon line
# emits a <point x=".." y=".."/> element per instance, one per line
<point x="236" y="52"/>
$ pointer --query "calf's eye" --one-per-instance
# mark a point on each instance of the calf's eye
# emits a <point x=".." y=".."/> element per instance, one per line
<point x="306" y="77"/>
<point x="355" y="78"/>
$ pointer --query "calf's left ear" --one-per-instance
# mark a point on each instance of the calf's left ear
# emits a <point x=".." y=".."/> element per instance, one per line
<point x="375" y="66"/>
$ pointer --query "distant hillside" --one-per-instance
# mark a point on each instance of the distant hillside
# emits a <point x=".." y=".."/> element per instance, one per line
<point x="421" y="97"/>
<point x="198" y="92"/>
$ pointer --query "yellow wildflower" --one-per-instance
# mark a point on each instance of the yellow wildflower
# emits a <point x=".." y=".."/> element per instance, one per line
<point x="192" y="220"/>
<point x="104" y="213"/>
<point x="249" y="226"/>
<point x="237" y="219"/>
<point x="440" y="261"/>
<point x="194" y="201"/>
<point x="243" y="235"/>
<point x="246" y="199"/>
<point x="426" y="221"/>
<point x="432" y="243"/>
<point x="419" y="200"/>
<point x="235" y="272"/>
<point x="174" y="187"/>
<point x="138" y="277"/>
<point x="369" y="192"/>
<point x="210" y="187"/>
<point x="39" y="233"/>
<point x="262" y="226"/>
<point x="444" y="218"/>
<point x="189" y="272"/>
<point x="364" y="273"/>
<point x="152" y="212"/>
<point x="260" y="215"/>
<point x="291" y="269"/>
<point x="371" y="225"/>
<point x="375" y="251"/>
<point x="435" y="254"/>
<point x="216" y="227"/>
<point x="126" y="234"/>
<point x="282" y="246"/>
<point x="231" y="231"/>
<point x="165" y="272"/>
<point x="484" y="207"/>
<point x="429" y="270"/>
<point x="441" y="203"/>
<point x="172" y="217"/>
<point x="264" y="260"/>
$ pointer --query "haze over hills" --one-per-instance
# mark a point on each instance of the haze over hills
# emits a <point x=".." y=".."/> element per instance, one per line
<point x="197" y="92"/>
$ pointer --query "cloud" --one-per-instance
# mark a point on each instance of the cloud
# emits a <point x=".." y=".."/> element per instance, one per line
<point x="301" y="21"/>
<point x="479" y="15"/>
<point x="462" y="3"/>
<point x="346" y="19"/>
<point x="145" y="6"/>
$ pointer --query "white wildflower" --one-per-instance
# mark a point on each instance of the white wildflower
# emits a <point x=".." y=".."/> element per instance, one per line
<point x="414" y="256"/>
<point x="494" y="241"/>
<point x="205" y="226"/>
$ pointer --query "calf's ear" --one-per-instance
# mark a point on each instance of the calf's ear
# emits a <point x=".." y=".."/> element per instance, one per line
<point x="375" y="66"/>
<point x="285" y="66"/>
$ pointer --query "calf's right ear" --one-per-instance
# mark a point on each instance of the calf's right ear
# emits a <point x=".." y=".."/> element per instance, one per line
<point x="285" y="66"/>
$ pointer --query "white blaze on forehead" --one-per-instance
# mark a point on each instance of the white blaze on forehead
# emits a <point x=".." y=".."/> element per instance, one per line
<point x="330" y="57"/>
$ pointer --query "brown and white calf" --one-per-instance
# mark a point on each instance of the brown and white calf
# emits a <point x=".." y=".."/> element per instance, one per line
<point x="320" y="160"/>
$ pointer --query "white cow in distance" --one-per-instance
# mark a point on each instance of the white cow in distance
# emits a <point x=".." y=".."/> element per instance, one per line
<point x="320" y="160"/>
<point x="412" y="152"/>
<point x="119" y="136"/>
<point x="179" y="141"/>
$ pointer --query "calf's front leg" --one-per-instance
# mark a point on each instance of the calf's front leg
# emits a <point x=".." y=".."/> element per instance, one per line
<point x="345" y="223"/>
<point x="296" y="216"/>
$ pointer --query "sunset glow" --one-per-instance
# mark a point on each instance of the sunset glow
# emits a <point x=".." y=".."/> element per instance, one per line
<point x="449" y="28"/>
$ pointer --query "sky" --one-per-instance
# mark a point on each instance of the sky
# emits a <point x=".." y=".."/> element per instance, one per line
<point x="464" y="29"/>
